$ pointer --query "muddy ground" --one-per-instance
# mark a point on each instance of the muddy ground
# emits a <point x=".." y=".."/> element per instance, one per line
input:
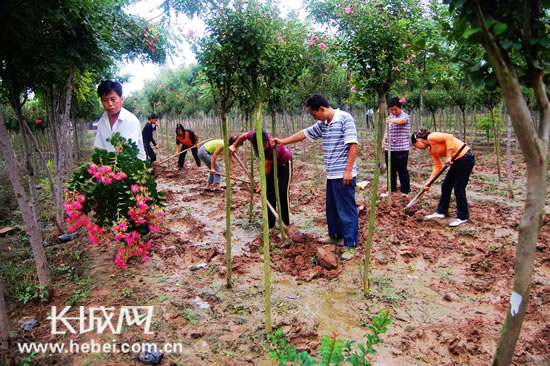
<point x="447" y="289"/>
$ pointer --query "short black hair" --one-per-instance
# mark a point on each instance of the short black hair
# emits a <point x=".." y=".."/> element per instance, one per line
<point x="394" y="102"/>
<point x="180" y="127"/>
<point x="153" y="116"/>
<point x="108" y="86"/>
<point x="316" y="101"/>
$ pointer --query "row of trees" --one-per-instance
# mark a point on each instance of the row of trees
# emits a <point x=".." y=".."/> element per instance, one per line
<point x="55" y="52"/>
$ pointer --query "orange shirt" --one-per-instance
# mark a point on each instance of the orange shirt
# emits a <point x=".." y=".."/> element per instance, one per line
<point x="439" y="143"/>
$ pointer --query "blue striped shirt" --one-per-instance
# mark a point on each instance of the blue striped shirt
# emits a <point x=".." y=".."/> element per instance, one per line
<point x="336" y="135"/>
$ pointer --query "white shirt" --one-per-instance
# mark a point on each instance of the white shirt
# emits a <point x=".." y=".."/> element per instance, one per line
<point x="127" y="125"/>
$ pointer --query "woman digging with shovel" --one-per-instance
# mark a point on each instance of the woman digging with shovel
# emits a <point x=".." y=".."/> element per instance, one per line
<point x="461" y="162"/>
<point x="284" y="172"/>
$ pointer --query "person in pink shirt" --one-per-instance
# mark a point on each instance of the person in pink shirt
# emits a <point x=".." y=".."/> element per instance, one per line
<point x="284" y="172"/>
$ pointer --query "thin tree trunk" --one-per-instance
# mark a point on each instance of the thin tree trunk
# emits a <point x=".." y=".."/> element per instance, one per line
<point x="31" y="177"/>
<point x="374" y="193"/>
<point x="509" y="157"/>
<point x="228" y="283"/>
<point x="276" y="176"/>
<point x="58" y="205"/>
<point x="534" y="145"/>
<point x="31" y="224"/>
<point x="474" y="126"/>
<point x="62" y="150"/>
<point x="267" y="267"/>
<point x="421" y="118"/>
<point x="76" y="143"/>
<point x="464" y="125"/>
<point x="252" y="155"/>
<point x="5" y="330"/>
<point x="497" y="140"/>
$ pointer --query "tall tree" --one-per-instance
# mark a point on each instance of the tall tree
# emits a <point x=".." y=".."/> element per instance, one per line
<point x="515" y="37"/>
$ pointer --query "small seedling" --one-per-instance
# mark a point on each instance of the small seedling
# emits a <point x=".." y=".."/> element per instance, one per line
<point x="189" y="316"/>
<point x="126" y="292"/>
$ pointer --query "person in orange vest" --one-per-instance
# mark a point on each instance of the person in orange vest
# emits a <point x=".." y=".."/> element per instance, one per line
<point x="446" y="145"/>
<point x="184" y="140"/>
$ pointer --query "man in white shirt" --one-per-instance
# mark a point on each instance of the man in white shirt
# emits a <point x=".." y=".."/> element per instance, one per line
<point x="116" y="119"/>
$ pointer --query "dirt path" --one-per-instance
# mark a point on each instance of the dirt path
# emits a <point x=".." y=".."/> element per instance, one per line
<point x="447" y="289"/>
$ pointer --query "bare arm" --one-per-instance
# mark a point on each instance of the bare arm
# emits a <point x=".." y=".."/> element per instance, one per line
<point x="238" y="143"/>
<point x="396" y="121"/>
<point x="352" y="154"/>
<point x="298" y="136"/>
<point x="219" y="149"/>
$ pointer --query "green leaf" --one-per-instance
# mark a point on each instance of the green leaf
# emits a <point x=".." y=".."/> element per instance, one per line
<point x="471" y="32"/>
<point x="505" y="43"/>
<point x="500" y="28"/>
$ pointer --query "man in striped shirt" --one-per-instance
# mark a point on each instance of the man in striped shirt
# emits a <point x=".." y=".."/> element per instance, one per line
<point x="399" y="125"/>
<point x="337" y="129"/>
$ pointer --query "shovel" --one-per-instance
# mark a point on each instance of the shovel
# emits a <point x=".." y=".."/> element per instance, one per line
<point x="292" y="231"/>
<point x="413" y="201"/>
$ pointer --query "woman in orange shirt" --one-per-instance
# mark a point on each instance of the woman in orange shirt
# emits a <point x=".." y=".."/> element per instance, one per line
<point x="446" y="145"/>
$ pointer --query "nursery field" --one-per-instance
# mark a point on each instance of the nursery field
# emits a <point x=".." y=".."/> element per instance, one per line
<point x="447" y="290"/>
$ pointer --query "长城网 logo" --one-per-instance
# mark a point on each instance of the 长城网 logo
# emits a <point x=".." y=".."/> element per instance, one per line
<point x="99" y="319"/>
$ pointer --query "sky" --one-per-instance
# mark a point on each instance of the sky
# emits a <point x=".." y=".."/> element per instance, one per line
<point x="148" y="9"/>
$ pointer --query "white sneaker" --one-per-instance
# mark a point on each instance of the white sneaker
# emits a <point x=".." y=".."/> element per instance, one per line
<point x="434" y="216"/>
<point x="458" y="222"/>
<point x="385" y="194"/>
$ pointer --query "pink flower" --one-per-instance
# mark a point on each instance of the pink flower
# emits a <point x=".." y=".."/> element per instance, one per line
<point x="405" y="82"/>
<point x="353" y="89"/>
<point x="312" y="40"/>
<point x="38" y="121"/>
<point x="395" y="68"/>
<point x="280" y="39"/>
<point x="402" y="100"/>
<point x="348" y="9"/>
<point x="407" y="62"/>
<point x="413" y="55"/>
<point x="322" y="45"/>
<point x="403" y="45"/>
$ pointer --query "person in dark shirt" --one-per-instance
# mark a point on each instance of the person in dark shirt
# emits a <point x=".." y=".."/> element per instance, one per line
<point x="284" y="172"/>
<point x="147" y="135"/>
<point x="184" y="140"/>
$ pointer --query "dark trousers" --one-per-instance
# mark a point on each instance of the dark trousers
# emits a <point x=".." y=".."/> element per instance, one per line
<point x="399" y="160"/>
<point x="342" y="211"/>
<point x="284" y="176"/>
<point x="151" y="156"/>
<point x="181" y="159"/>
<point x="457" y="179"/>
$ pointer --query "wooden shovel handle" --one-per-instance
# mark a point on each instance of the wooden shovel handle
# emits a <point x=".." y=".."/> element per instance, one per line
<point x="435" y="178"/>
<point x="181" y="152"/>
